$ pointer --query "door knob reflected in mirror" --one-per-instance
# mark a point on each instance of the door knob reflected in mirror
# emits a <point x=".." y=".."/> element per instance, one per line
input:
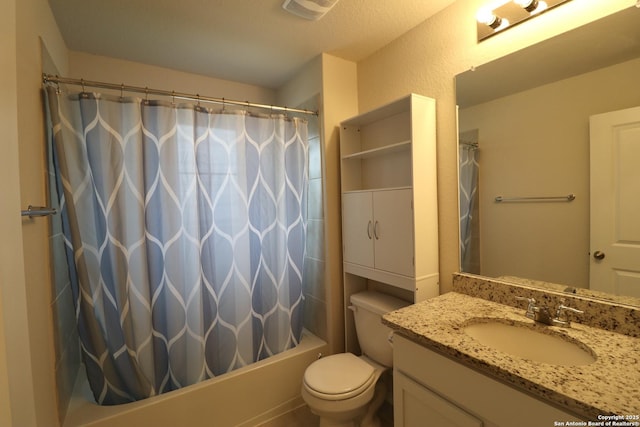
<point x="598" y="255"/>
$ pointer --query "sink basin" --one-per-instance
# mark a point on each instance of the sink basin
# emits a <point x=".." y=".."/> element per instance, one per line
<point x="528" y="343"/>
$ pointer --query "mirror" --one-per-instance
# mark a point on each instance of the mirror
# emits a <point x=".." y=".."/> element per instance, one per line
<point x="524" y="132"/>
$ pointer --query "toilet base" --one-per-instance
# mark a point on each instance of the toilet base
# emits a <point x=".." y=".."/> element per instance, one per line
<point x="371" y="417"/>
<point x="367" y="418"/>
<point x="332" y="423"/>
<point x="325" y="422"/>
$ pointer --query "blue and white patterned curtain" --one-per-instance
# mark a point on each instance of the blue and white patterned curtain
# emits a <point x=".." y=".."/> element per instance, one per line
<point x="185" y="235"/>
<point x="468" y="176"/>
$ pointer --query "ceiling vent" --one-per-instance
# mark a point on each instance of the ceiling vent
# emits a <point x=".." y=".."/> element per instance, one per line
<point x="309" y="9"/>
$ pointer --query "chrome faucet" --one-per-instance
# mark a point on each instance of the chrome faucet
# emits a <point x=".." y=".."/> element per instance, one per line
<point x="541" y="314"/>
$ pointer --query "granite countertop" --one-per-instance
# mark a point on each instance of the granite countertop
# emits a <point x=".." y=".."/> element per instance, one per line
<point x="608" y="386"/>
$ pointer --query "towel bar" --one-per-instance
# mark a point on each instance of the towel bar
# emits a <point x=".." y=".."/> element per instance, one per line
<point x="567" y="198"/>
<point x="33" y="211"/>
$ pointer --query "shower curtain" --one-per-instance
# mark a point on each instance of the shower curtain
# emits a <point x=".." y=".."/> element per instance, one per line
<point x="185" y="231"/>
<point x="468" y="168"/>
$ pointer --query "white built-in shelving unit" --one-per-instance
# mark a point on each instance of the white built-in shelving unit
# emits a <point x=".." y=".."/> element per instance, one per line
<point x="389" y="202"/>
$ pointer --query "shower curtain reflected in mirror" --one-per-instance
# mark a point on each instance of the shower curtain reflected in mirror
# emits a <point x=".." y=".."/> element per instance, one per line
<point x="185" y="232"/>
<point x="468" y="176"/>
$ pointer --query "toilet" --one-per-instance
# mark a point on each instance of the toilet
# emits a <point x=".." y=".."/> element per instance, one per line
<point x="343" y="389"/>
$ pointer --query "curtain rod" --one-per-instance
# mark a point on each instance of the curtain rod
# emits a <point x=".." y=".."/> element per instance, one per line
<point x="48" y="78"/>
<point x="471" y="145"/>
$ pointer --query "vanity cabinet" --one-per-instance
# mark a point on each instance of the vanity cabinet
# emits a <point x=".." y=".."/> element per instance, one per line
<point x="420" y="406"/>
<point x="431" y="389"/>
<point x="389" y="203"/>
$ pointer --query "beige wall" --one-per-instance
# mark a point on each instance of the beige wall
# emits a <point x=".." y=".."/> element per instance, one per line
<point x="339" y="102"/>
<point x="24" y="268"/>
<point x="112" y="70"/>
<point x="303" y="86"/>
<point x="35" y="23"/>
<point x="426" y="60"/>
<point x="10" y="259"/>
<point x="530" y="146"/>
<point x="5" y="403"/>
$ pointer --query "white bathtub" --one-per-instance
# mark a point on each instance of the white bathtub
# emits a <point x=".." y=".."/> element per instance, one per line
<point x="244" y="397"/>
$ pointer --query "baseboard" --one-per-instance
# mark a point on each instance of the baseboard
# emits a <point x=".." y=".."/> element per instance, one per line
<point x="274" y="413"/>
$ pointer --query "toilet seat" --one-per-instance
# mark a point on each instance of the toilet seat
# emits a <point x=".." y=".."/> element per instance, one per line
<point x="339" y="377"/>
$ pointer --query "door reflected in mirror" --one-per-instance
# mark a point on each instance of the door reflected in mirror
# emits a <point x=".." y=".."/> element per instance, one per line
<point x="524" y="120"/>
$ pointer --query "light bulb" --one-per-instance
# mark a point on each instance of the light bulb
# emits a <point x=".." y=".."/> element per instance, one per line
<point x="487" y="17"/>
<point x="528" y="5"/>
<point x="542" y="5"/>
<point x="531" y="6"/>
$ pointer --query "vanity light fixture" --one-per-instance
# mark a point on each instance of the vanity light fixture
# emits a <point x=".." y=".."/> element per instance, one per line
<point x="505" y="14"/>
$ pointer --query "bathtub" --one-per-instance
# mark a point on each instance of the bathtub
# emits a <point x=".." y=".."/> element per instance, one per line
<point x="245" y="397"/>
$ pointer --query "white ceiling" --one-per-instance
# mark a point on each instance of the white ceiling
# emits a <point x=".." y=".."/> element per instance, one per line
<point x="249" y="41"/>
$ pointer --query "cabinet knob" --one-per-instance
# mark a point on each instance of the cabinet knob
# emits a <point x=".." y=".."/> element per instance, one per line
<point x="375" y="231"/>
<point x="369" y="230"/>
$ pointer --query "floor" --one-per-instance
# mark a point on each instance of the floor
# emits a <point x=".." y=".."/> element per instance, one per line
<point x="302" y="417"/>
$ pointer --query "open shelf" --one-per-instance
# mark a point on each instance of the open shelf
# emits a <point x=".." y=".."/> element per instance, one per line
<point x="376" y="189"/>
<point x="381" y="151"/>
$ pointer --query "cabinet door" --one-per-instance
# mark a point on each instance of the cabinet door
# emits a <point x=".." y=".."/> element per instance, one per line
<point x="416" y="405"/>
<point x="357" y="228"/>
<point x="393" y="231"/>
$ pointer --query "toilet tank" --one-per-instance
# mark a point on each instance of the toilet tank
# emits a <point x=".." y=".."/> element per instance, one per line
<point x="368" y="308"/>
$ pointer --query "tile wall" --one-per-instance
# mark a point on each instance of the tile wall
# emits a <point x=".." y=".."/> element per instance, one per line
<point x="315" y="310"/>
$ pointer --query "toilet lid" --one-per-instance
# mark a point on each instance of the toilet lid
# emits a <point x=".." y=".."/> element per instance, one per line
<point x="339" y="376"/>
